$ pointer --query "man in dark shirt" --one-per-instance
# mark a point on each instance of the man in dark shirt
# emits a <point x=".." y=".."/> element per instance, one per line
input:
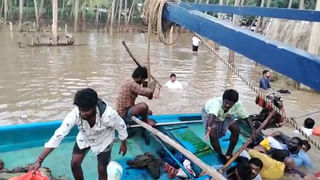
<point x="265" y="80"/>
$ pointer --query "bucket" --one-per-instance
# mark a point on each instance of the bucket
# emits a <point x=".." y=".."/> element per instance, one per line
<point x="114" y="170"/>
<point x="316" y="131"/>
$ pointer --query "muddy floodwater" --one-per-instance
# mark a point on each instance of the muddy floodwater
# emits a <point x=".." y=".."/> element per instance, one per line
<point x="38" y="84"/>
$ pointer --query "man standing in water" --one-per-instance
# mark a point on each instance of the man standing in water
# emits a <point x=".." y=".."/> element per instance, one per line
<point x="220" y="114"/>
<point x="96" y="122"/>
<point x="195" y="44"/>
<point x="265" y="80"/>
<point x="130" y="89"/>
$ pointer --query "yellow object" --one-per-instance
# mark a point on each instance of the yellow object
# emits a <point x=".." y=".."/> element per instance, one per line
<point x="265" y="143"/>
<point x="271" y="169"/>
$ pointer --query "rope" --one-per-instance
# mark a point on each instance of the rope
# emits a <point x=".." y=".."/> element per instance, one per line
<point x="291" y="121"/>
<point x="154" y="11"/>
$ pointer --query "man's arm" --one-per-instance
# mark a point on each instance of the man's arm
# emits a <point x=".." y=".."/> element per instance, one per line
<point x="120" y="126"/>
<point x="56" y="139"/>
<point x="36" y="165"/>
<point x="144" y="91"/>
<point x="212" y="118"/>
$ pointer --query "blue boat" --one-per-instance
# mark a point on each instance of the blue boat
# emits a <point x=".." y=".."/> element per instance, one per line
<point x="21" y="144"/>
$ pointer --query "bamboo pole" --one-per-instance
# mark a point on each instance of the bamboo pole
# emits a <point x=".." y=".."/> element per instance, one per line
<point x="211" y="171"/>
<point x="169" y="123"/>
<point x="135" y="60"/>
<point x="148" y="45"/>
<point x="245" y="145"/>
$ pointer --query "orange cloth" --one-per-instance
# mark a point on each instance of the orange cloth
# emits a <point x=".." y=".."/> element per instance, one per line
<point x="30" y="176"/>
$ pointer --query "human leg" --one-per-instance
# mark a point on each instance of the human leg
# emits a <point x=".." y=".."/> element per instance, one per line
<point x="142" y="109"/>
<point x="103" y="161"/>
<point x="235" y="131"/>
<point x="77" y="158"/>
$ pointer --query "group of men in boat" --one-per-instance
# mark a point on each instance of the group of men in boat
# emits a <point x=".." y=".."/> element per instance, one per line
<point x="97" y="122"/>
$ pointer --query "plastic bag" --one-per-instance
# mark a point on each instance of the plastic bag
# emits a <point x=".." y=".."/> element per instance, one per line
<point x="30" y="176"/>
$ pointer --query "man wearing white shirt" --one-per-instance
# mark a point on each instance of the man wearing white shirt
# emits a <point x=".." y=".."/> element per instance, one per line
<point x="97" y="122"/>
<point x="195" y="44"/>
<point x="173" y="83"/>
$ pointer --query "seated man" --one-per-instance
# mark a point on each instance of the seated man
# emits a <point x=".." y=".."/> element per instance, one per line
<point x="295" y="147"/>
<point x="273" y="167"/>
<point x="299" y="156"/>
<point x="219" y="115"/>
<point x="130" y="89"/>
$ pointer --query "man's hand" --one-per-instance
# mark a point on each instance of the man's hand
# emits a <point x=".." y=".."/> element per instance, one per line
<point x="152" y="85"/>
<point x="209" y="124"/>
<point x="35" y="166"/>
<point x="123" y="147"/>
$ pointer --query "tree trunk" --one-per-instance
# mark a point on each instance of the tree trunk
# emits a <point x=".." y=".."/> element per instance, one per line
<point x="20" y="14"/>
<point x="62" y="10"/>
<point x="5" y="10"/>
<point x="301" y="4"/>
<point x="54" y="22"/>
<point x="108" y="20"/>
<point x="76" y="12"/>
<point x="1" y="7"/>
<point x="268" y="3"/>
<point x="40" y="14"/>
<point x="97" y="18"/>
<point x="290" y="4"/>
<point x="112" y="14"/>
<point x="119" y="16"/>
<point x="125" y="13"/>
<point x="71" y="12"/>
<point x="83" y="28"/>
<point x="36" y="13"/>
<point x="131" y="10"/>
<point x="27" y="15"/>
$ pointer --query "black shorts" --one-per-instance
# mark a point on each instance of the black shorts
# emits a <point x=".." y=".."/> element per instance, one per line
<point x="194" y="48"/>
<point x="103" y="157"/>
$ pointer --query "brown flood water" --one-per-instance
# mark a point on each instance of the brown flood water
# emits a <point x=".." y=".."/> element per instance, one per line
<point x="38" y="84"/>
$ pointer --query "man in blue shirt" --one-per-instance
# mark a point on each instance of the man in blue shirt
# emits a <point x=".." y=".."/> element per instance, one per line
<point x="295" y="152"/>
<point x="265" y="80"/>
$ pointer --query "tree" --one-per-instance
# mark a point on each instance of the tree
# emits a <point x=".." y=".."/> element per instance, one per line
<point x="54" y="22"/>
<point x="76" y="12"/>
<point x="20" y="14"/>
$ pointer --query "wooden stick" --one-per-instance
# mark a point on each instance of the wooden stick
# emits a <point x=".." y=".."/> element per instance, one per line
<point x="245" y="145"/>
<point x="138" y="64"/>
<point x="211" y="171"/>
<point x="148" y="45"/>
<point x="169" y="123"/>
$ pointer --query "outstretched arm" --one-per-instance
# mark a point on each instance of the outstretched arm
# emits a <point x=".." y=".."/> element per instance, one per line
<point x="36" y="165"/>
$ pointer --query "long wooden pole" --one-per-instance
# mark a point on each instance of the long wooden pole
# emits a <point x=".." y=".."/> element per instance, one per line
<point x="245" y="145"/>
<point x="211" y="171"/>
<point x="169" y="123"/>
<point x="138" y="64"/>
<point x="148" y="44"/>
